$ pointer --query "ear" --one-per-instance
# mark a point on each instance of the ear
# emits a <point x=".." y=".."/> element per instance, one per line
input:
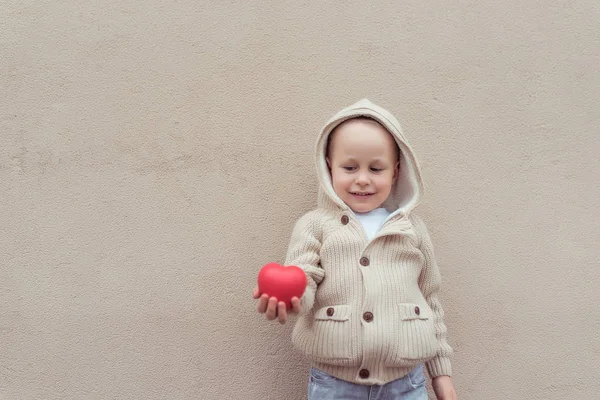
<point x="396" y="170"/>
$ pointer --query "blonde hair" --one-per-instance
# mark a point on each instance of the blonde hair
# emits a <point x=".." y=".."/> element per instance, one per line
<point x="364" y="119"/>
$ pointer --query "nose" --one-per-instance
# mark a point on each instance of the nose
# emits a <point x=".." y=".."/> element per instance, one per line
<point x="362" y="179"/>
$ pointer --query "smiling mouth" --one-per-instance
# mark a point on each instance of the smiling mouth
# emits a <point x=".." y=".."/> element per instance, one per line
<point x="362" y="194"/>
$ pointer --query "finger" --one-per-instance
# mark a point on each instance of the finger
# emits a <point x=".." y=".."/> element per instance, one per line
<point x="271" y="309"/>
<point x="255" y="293"/>
<point x="282" y="312"/>
<point x="261" y="306"/>
<point x="296" y="304"/>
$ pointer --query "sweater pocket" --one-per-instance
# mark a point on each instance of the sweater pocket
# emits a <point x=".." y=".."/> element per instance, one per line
<point x="413" y="337"/>
<point x="328" y="337"/>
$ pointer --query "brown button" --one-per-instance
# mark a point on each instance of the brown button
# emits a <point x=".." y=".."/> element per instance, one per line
<point x="364" y="261"/>
<point x="417" y="311"/>
<point x="330" y="311"/>
<point x="364" y="373"/>
<point x="368" y="316"/>
<point x="345" y="219"/>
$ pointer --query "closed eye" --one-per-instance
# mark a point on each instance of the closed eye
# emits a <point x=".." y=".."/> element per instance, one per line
<point x="348" y="168"/>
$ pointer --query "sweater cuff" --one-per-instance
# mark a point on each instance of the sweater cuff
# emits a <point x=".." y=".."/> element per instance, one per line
<point x="307" y="301"/>
<point x="439" y="366"/>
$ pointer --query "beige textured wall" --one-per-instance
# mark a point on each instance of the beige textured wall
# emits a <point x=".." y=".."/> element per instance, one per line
<point x="153" y="155"/>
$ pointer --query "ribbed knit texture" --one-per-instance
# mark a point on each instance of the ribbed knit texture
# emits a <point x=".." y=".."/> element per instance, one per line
<point x="371" y="311"/>
<point x="401" y="275"/>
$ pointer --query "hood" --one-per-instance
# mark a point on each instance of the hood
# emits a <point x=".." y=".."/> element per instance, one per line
<point x="408" y="188"/>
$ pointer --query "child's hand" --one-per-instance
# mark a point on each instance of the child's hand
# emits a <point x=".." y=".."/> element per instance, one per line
<point x="273" y="308"/>
<point x="443" y="388"/>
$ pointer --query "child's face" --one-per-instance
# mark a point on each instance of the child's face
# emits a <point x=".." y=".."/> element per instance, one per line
<point x="363" y="164"/>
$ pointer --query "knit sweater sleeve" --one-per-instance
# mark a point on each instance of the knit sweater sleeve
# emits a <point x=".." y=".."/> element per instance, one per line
<point x="304" y="252"/>
<point x="429" y="283"/>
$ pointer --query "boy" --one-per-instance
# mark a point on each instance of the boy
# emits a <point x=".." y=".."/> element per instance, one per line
<point x="370" y="316"/>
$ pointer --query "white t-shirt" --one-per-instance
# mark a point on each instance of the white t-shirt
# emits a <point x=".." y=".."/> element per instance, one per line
<point x="372" y="220"/>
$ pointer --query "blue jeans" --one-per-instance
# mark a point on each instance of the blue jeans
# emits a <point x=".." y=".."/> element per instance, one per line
<point x="322" y="386"/>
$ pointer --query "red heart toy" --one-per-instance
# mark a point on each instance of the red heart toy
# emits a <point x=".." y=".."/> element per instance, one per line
<point x="281" y="282"/>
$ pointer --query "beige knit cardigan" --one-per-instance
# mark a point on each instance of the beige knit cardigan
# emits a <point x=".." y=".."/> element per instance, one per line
<point x="376" y="314"/>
